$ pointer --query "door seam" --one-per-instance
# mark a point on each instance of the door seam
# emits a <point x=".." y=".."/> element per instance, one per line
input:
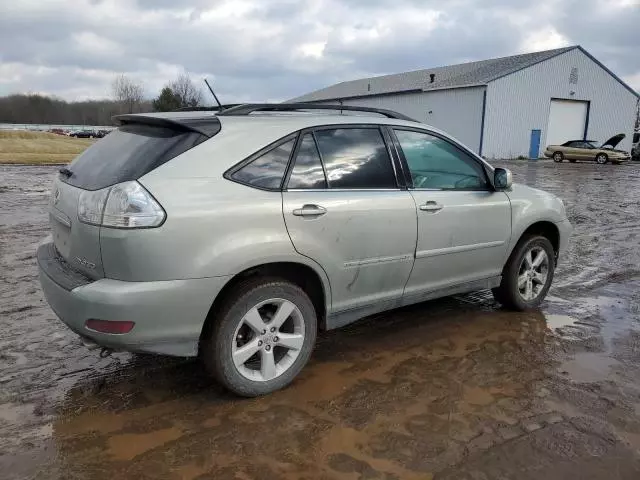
<point x="415" y="248"/>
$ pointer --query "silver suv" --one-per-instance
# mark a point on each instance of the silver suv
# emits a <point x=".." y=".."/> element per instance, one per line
<point x="236" y="235"/>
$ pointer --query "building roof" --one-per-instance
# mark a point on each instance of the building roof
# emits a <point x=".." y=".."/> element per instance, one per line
<point x="453" y="76"/>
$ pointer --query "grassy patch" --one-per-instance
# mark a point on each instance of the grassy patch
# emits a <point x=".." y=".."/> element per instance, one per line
<point x="39" y="147"/>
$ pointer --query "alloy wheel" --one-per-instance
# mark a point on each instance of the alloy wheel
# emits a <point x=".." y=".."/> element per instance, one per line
<point x="268" y="340"/>
<point x="532" y="274"/>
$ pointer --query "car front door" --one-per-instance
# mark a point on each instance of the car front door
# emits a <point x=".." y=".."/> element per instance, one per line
<point x="344" y="209"/>
<point x="577" y="151"/>
<point x="464" y="225"/>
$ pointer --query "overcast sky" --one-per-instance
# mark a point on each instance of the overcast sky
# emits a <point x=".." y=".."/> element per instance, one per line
<point x="270" y="50"/>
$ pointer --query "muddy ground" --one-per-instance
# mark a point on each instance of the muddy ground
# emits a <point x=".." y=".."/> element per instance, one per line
<point x="451" y="389"/>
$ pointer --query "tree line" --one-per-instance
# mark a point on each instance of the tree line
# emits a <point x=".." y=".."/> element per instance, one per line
<point x="127" y="96"/>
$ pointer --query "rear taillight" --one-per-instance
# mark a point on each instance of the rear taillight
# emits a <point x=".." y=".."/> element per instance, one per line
<point x="110" y="326"/>
<point x="126" y="205"/>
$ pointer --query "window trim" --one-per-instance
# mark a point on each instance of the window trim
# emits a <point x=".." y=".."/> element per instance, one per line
<point x="292" y="164"/>
<point x="404" y="176"/>
<point x="457" y="145"/>
<point x="380" y="127"/>
<point x="295" y="136"/>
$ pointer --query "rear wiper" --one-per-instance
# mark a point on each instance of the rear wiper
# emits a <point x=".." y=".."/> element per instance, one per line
<point x="66" y="172"/>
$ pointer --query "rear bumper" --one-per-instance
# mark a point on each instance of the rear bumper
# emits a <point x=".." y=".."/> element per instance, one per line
<point x="168" y="315"/>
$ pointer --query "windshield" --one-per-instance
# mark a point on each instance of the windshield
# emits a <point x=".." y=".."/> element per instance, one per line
<point x="592" y="144"/>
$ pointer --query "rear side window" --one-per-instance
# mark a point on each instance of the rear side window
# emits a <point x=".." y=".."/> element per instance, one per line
<point x="355" y="158"/>
<point x="268" y="169"/>
<point x="128" y="153"/>
<point x="307" y="171"/>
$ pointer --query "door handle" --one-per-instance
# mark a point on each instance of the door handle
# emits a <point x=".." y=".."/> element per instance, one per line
<point x="431" y="206"/>
<point x="310" y="211"/>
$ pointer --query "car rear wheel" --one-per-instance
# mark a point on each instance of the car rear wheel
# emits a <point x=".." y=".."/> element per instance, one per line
<point x="602" y="158"/>
<point x="527" y="276"/>
<point x="557" y="157"/>
<point x="261" y="338"/>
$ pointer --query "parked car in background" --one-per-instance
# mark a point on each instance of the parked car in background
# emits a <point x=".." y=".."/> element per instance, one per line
<point x="589" y="150"/>
<point x="234" y="237"/>
<point x="83" y="134"/>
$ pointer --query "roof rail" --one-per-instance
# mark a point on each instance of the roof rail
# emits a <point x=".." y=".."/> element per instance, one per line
<point x="248" y="108"/>
<point x="212" y="108"/>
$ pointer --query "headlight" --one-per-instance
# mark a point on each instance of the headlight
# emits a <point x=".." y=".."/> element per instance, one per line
<point x="126" y="205"/>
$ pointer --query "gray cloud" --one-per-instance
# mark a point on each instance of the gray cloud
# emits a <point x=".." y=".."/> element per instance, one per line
<point x="271" y="50"/>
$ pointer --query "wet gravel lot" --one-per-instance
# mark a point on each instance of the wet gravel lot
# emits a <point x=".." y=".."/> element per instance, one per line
<point x="451" y="389"/>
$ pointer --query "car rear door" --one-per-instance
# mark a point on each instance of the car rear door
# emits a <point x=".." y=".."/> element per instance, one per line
<point x="464" y="226"/>
<point x="344" y="208"/>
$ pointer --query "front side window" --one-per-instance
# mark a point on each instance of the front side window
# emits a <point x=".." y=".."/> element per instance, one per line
<point x="307" y="171"/>
<point x="438" y="164"/>
<point x="267" y="170"/>
<point x="355" y="158"/>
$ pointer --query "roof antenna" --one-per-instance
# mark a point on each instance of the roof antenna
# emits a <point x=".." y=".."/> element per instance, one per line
<point x="214" y="94"/>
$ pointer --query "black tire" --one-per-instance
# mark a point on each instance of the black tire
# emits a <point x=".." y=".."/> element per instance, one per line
<point x="572" y="160"/>
<point x="602" y="159"/>
<point x="558" y="157"/>
<point x="508" y="293"/>
<point x="216" y="344"/>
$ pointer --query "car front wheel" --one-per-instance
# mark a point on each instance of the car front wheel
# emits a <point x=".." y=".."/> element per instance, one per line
<point x="261" y="338"/>
<point x="557" y="157"/>
<point x="527" y="276"/>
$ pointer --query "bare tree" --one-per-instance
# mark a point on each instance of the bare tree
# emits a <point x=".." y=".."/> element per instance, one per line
<point x="128" y="93"/>
<point x="187" y="93"/>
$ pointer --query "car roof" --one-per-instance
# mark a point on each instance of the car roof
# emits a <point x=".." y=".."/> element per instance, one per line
<point x="304" y="120"/>
<point x="289" y="120"/>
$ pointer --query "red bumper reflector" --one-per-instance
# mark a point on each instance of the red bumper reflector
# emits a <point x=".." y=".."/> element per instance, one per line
<point x="109" y="326"/>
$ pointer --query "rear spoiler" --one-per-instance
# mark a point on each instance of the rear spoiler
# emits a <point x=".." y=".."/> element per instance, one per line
<point x="207" y="126"/>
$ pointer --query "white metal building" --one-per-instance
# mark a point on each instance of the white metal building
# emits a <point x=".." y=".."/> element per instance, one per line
<point x="505" y="107"/>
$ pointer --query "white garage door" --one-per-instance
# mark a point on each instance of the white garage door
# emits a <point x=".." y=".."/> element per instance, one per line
<point x="567" y="119"/>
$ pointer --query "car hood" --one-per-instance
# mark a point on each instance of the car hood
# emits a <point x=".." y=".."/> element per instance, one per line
<point x="613" y="141"/>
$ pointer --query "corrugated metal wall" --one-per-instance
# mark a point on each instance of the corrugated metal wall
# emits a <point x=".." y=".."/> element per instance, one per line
<point x="520" y="102"/>
<point x="456" y="111"/>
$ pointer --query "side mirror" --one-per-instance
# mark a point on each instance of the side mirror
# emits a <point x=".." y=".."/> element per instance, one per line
<point x="502" y="179"/>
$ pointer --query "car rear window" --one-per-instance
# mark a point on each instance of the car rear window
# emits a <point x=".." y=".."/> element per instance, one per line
<point x="128" y="153"/>
<point x="267" y="170"/>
